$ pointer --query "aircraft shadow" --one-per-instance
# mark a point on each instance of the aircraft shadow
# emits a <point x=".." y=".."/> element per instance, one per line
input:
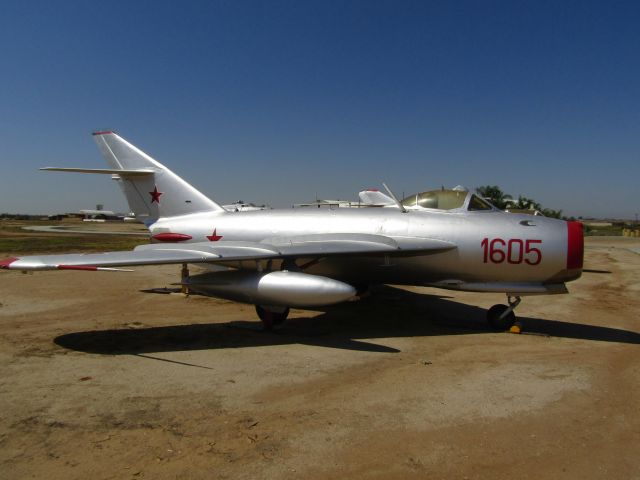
<point x="391" y="312"/>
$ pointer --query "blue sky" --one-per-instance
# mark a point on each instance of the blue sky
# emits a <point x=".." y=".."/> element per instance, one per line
<point x="279" y="101"/>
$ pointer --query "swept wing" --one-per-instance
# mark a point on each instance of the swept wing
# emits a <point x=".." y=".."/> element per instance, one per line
<point x="320" y="245"/>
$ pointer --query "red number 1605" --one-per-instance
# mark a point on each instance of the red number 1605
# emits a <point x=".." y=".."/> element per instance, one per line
<point x="513" y="251"/>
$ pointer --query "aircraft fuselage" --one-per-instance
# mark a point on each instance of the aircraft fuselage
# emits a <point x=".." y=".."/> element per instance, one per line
<point x="492" y="246"/>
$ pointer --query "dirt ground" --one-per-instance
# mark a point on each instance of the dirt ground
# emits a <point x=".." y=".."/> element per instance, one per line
<point x="101" y="379"/>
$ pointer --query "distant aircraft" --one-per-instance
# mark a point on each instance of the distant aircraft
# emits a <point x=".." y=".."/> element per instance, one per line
<point x="368" y="198"/>
<point x="375" y="198"/>
<point x="278" y="259"/>
<point x="241" y="206"/>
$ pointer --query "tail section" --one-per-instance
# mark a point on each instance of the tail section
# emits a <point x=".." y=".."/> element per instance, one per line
<point x="152" y="190"/>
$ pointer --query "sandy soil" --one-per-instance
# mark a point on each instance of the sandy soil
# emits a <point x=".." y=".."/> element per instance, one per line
<point x="103" y="380"/>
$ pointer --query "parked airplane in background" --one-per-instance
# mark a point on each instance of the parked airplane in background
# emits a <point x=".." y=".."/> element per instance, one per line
<point x="367" y="198"/>
<point x="278" y="259"/>
<point x="241" y="206"/>
<point x="375" y="198"/>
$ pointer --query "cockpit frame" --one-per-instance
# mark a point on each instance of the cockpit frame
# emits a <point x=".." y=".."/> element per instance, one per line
<point x="447" y="201"/>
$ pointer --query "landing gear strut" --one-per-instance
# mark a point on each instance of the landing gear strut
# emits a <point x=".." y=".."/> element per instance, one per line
<point x="272" y="316"/>
<point x="501" y="317"/>
<point x="184" y="277"/>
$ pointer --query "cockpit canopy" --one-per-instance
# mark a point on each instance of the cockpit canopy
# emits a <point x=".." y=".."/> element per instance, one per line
<point x="456" y="199"/>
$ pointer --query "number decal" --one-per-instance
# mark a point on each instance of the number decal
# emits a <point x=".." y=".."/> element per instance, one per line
<point x="514" y="251"/>
<point x="518" y="249"/>
<point x="535" y="251"/>
<point x="495" y="254"/>
<point x="485" y="248"/>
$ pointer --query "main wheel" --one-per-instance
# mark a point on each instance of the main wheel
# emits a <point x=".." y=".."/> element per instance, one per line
<point x="497" y="323"/>
<point x="272" y="317"/>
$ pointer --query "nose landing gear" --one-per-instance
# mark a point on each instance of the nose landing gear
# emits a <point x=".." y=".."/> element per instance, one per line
<point x="501" y="317"/>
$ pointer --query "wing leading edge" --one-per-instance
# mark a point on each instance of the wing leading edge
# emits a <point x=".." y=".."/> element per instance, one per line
<point x="280" y="247"/>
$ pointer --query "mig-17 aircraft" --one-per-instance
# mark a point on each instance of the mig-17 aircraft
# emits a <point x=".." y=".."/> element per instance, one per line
<point x="277" y="259"/>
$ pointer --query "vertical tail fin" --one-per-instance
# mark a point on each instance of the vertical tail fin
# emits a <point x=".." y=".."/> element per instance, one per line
<point x="150" y="196"/>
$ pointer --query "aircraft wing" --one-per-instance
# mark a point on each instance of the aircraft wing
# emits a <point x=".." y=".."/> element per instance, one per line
<point x="320" y="245"/>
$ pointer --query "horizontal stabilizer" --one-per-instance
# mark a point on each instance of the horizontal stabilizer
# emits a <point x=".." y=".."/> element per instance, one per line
<point x="103" y="171"/>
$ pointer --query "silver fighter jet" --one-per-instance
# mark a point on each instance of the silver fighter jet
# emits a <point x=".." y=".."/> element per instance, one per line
<point x="276" y="259"/>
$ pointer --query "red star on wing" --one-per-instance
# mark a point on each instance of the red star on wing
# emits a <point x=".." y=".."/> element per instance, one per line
<point x="214" y="237"/>
<point x="155" y="195"/>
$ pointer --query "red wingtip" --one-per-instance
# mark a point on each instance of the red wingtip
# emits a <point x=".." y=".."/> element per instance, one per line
<point x="104" y="132"/>
<point x="7" y="261"/>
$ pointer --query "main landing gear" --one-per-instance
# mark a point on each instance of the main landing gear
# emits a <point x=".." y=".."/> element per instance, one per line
<point x="184" y="279"/>
<point x="501" y="317"/>
<point x="272" y="317"/>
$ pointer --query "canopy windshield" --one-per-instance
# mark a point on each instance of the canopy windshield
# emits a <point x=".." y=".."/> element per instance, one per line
<point x="437" y="199"/>
<point x="477" y="203"/>
<point x="447" y="200"/>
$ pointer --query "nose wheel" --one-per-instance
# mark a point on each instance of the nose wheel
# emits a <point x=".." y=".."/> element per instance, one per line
<point x="272" y="317"/>
<point x="501" y="317"/>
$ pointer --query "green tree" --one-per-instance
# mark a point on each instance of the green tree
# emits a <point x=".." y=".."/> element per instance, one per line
<point x="548" y="212"/>
<point x="495" y="195"/>
<point x="525" y="203"/>
<point x="502" y="200"/>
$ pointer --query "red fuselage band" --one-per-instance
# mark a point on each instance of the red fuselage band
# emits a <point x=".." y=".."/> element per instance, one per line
<point x="575" y="246"/>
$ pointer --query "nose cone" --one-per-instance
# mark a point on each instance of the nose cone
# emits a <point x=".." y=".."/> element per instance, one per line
<point x="575" y="249"/>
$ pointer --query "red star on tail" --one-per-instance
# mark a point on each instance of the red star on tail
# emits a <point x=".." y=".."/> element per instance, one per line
<point x="155" y="195"/>
<point x="214" y="237"/>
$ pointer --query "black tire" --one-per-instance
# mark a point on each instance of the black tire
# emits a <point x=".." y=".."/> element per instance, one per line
<point x="272" y="319"/>
<point x="497" y="323"/>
